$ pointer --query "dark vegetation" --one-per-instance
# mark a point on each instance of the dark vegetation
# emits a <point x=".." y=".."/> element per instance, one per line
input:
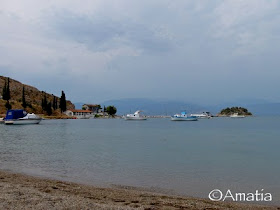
<point x="240" y="110"/>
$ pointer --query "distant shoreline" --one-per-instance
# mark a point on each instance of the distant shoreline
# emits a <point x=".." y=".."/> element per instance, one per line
<point x="20" y="191"/>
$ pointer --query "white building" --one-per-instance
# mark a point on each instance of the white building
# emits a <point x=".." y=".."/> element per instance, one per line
<point x="79" y="114"/>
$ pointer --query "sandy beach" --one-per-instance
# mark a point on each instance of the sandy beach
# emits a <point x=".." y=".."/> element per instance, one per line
<point x="18" y="191"/>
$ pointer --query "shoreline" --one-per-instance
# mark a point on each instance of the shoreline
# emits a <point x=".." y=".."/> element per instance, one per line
<point x="20" y="191"/>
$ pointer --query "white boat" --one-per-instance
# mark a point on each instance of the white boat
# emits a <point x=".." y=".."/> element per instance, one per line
<point x="135" y="116"/>
<point x="183" y="117"/>
<point x="203" y="115"/>
<point x="20" y="117"/>
<point x="236" y="115"/>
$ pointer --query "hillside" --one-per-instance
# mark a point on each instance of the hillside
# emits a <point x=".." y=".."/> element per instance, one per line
<point x="33" y="96"/>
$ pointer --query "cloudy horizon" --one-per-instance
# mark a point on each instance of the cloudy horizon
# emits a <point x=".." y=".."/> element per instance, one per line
<point x="205" y="51"/>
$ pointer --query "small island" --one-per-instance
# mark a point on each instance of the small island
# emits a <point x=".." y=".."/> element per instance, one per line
<point x="230" y="111"/>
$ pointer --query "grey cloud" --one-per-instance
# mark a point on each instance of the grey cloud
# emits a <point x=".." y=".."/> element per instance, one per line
<point x="164" y="43"/>
<point x="101" y="33"/>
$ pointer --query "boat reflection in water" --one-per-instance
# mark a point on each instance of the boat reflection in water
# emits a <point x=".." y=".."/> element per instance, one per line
<point x="236" y="115"/>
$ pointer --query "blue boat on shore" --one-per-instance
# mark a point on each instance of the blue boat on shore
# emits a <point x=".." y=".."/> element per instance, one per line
<point x="183" y="117"/>
<point x="21" y="117"/>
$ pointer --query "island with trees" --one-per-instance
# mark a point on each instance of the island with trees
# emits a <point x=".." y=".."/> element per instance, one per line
<point x="232" y="110"/>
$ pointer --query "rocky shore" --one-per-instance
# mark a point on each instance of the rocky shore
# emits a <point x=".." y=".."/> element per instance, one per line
<point x="19" y="191"/>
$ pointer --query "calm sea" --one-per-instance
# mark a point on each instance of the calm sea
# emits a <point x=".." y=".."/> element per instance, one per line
<point x="189" y="158"/>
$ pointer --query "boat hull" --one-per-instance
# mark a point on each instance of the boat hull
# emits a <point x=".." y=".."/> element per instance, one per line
<point x="183" y="119"/>
<point x="202" y="117"/>
<point x="135" y="118"/>
<point x="22" y="122"/>
<point x="241" y="116"/>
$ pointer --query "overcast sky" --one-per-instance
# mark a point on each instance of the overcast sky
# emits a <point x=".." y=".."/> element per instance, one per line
<point x="204" y="51"/>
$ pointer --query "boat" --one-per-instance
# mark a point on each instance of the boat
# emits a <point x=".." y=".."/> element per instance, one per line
<point x="1" y="120"/>
<point x="236" y="115"/>
<point x="203" y="115"/>
<point x="21" y="117"/>
<point x="135" y="116"/>
<point x="183" y="117"/>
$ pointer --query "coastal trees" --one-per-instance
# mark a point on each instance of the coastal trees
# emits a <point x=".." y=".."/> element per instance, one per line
<point x="111" y="110"/>
<point x="8" y="105"/>
<point x="62" y="104"/>
<point x="44" y="103"/>
<point x="49" y="108"/>
<point x="12" y="96"/>
<point x="23" y="101"/>
<point x="240" y="110"/>
<point x="6" y="93"/>
<point x="6" y="90"/>
<point x="54" y="105"/>
<point x="98" y="108"/>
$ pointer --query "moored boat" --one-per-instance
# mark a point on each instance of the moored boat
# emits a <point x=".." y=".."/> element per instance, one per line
<point x="21" y="117"/>
<point x="203" y="115"/>
<point x="183" y="117"/>
<point x="236" y="115"/>
<point x="135" y="116"/>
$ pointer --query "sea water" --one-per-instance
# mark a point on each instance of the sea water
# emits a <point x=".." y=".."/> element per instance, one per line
<point x="187" y="158"/>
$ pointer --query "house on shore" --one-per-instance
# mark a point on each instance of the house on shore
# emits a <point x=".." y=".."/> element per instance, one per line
<point x="92" y="107"/>
<point x="80" y="114"/>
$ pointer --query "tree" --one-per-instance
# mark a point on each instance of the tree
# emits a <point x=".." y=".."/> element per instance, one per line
<point x="54" y="105"/>
<point x="62" y="104"/>
<point x="8" y="105"/>
<point x="23" y="98"/>
<point x="49" y="108"/>
<point x="6" y="94"/>
<point x="6" y="90"/>
<point x="44" y="103"/>
<point x="111" y="110"/>
<point x="98" y="108"/>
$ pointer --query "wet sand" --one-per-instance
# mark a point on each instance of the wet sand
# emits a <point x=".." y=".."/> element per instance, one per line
<point x="18" y="191"/>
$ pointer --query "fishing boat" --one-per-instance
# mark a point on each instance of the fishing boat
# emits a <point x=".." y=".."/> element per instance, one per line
<point x="135" y="116"/>
<point x="21" y="117"/>
<point x="183" y="117"/>
<point x="203" y="115"/>
<point x="236" y="115"/>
